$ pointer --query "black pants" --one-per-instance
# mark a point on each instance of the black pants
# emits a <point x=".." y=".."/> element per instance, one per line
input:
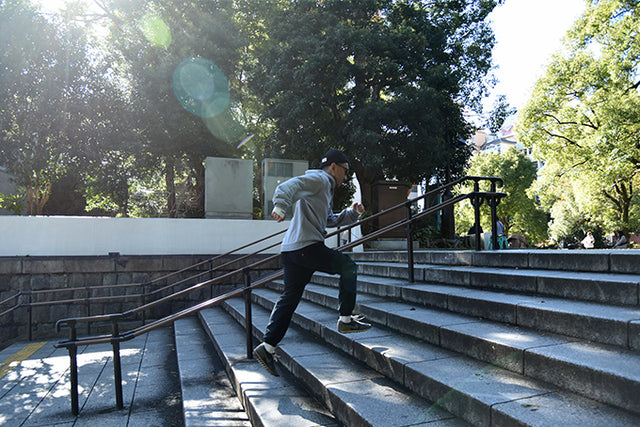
<point x="299" y="266"/>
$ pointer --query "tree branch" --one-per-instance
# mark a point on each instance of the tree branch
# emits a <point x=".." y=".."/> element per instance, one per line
<point x="553" y="135"/>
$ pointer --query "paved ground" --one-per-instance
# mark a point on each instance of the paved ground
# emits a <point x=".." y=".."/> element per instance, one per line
<point x="34" y="384"/>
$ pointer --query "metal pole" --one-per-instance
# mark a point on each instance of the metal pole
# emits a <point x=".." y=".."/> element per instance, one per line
<point x="117" y="368"/>
<point x="493" y="203"/>
<point x="73" y="355"/>
<point x="247" y="312"/>
<point x="30" y="315"/>
<point x="409" y="230"/>
<point x="88" y="296"/>
<point x="73" y="368"/>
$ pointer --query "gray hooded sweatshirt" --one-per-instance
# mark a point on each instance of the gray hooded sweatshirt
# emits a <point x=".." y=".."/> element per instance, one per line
<point x="313" y="195"/>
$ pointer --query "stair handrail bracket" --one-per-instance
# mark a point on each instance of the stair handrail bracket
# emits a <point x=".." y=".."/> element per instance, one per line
<point x="244" y="290"/>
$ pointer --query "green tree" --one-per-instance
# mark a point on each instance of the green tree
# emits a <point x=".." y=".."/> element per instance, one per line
<point x="583" y="120"/>
<point x="519" y="211"/>
<point x="148" y="41"/>
<point x="50" y="99"/>
<point x="382" y="80"/>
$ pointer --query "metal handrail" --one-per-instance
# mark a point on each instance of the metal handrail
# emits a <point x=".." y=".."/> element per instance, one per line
<point x="492" y="197"/>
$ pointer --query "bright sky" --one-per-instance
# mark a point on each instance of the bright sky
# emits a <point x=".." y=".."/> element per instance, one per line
<point x="527" y="33"/>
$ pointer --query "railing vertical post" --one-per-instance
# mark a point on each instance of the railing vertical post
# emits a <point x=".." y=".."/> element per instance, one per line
<point x="73" y="368"/>
<point x="30" y="315"/>
<point x="117" y="367"/>
<point x="247" y="311"/>
<point x="73" y="355"/>
<point x="409" y="228"/>
<point x="476" y="201"/>
<point x="88" y="296"/>
<point x="493" y="203"/>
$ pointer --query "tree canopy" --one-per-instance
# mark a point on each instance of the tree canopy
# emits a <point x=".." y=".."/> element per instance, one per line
<point x="382" y="80"/>
<point x="583" y="120"/>
<point x="106" y="116"/>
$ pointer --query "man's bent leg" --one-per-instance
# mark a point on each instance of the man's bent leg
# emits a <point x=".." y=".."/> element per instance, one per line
<point x="296" y="278"/>
<point x="330" y="261"/>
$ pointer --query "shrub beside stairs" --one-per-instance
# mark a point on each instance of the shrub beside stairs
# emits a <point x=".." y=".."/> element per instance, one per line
<point x="493" y="338"/>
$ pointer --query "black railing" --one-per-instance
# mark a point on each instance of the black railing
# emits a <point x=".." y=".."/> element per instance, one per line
<point x="477" y="197"/>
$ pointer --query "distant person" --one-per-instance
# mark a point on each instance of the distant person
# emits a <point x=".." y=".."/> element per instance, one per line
<point x="503" y="242"/>
<point x="621" y="240"/>
<point x="304" y="252"/>
<point x="517" y="241"/>
<point x="589" y="241"/>
<point x="475" y="229"/>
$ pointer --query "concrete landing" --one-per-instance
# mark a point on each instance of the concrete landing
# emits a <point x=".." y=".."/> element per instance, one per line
<point x="35" y="391"/>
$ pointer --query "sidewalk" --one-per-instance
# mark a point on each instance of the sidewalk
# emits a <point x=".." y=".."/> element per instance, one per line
<point x="35" y="386"/>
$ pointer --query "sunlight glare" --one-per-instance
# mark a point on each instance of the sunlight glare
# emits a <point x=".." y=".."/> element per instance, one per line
<point x="156" y="31"/>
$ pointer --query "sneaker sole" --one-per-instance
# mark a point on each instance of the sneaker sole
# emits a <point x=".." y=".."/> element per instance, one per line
<point x="264" y="365"/>
<point x="352" y="331"/>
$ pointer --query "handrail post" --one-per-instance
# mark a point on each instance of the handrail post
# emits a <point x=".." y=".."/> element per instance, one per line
<point x="88" y="299"/>
<point x="73" y="368"/>
<point x="492" y="200"/>
<point x="409" y="229"/>
<point x="247" y="311"/>
<point x="476" y="201"/>
<point x="493" y="203"/>
<point x="117" y="367"/>
<point x="30" y="315"/>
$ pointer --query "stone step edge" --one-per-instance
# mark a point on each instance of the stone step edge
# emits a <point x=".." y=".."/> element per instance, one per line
<point x="542" y="314"/>
<point x="452" y="398"/>
<point x="485" y="350"/>
<point x="597" y="289"/>
<point x="344" y="411"/>
<point x="593" y="260"/>
<point x="194" y="377"/>
<point x="247" y="377"/>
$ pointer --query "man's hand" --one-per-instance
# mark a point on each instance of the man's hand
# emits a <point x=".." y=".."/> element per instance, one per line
<point x="278" y="214"/>
<point x="358" y="208"/>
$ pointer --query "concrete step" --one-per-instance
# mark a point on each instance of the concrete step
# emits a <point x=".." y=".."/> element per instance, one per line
<point x="208" y="399"/>
<point x="602" y="323"/>
<point x="268" y="400"/>
<point x="591" y="260"/>
<point x="608" y="288"/>
<point x="604" y="373"/>
<point x="354" y="393"/>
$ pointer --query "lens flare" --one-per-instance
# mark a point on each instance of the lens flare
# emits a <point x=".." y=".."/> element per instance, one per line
<point x="225" y="127"/>
<point x="201" y="87"/>
<point x="245" y="140"/>
<point x="156" y="30"/>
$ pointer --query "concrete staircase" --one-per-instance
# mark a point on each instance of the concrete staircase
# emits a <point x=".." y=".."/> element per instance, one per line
<point x="513" y="337"/>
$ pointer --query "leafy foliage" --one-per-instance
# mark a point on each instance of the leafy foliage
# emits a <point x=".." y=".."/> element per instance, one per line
<point x="381" y="81"/>
<point x="583" y="121"/>
<point x="519" y="211"/>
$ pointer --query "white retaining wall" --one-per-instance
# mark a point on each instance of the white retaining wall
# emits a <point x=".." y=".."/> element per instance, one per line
<point x="69" y="236"/>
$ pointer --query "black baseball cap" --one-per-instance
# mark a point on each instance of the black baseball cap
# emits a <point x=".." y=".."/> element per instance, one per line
<point x="333" y="156"/>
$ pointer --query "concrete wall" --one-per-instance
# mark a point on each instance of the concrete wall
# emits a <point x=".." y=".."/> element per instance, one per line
<point x="40" y="280"/>
<point x="69" y="236"/>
